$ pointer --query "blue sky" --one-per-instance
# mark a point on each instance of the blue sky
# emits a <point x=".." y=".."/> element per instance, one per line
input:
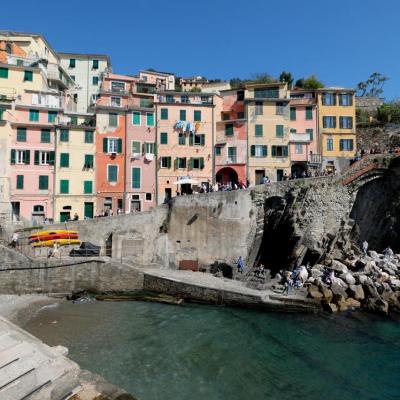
<point x="341" y="41"/>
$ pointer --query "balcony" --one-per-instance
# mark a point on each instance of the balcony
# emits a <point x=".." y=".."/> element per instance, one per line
<point x="315" y="159"/>
<point x="300" y="138"/>
<point x="56" y="74"/>
<point x="7" y="94"/>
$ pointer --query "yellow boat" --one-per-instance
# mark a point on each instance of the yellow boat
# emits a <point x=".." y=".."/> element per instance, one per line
<point x="57" y="231"/>
<point x="61" y="242"/>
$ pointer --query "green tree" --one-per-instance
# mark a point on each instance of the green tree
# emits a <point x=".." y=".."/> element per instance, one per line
<point x="195" y="89"/>
<point x="389" y="112"/>
<point x="263" y="78"/>
<point x="373" y="86"/>
<point x="311" y="82"/>
<point x="286" y="77"/>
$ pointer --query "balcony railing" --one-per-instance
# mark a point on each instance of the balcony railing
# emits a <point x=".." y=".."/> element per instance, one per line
<point x="315" y="159"/>
<point x="7" y="94"/>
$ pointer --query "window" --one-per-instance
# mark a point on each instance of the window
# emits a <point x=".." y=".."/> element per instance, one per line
<point x="232" y="154"/>
<point x="197" y="116"/>
<point x="64" y="186"/>
<point x="87" y="187"/>
<point x="112" y="145"/>
<point x="269" y="93"/>
<point x="258" y="130"/>
<point x="346" y="99"/>
<point x="181" y="139"/>
<point x="20" y="156"/>
<point x="346" y="145"/>
<point x="298" y="149"/>
<point x="279" y="151"/>
<point x="149" y="119"/>
<point x="64" y="135"/>
<point x="279" y="130"/>
<point x="240" y="95"/>
<point x="164" y="138"/>
<point x="280" y="108"/>
<point x="72" y="77"/>
<point x="259" y="108"/>
<point x="3" y="72"/>
<point x="164" y="113"/>
<point x="135" y="178"/>
<point x="136" y="147"/>
<point x="197" y="163"/>
<point x="229" y="129"/>
<point x="72" y="63"/>
<point x="45" y="136"/>
<point x="329" y="99"/>
<point x="136" y="118"/>
<point x="113" y="119"/>
<point x="165" y="162"/>
<point x="329" y="122"/>
<point x="217" y="150"/>
<point x="20" y="182"/>
<point x="74" y="120"/>
<point x="311" y="133"/>
<point x="34" y="115"/>
<point x="240" y="115"/>
<point x="309" y="112"/>
<point x="1" y="114"/>
<point x="182" y="115"/>
<point x="28" y="76"/>
<point x="225" y="116"/>
<point x="95" y="80"/>
<point x="150" y="148"/>
<point x="64" y="160"/>
<point x="21" y="134"/>
<point x="43" y="182"/>
<point x="44" y="158"/>
<point x="346" y="122"/>
<point x="293" y="113"/>
<point x="292" y="130"/>
<point x="258" y="151"/>
<point x="149" y="197"/>
<point x="89" y="161"/>
<point x="112" y="173"/>
<point x="169" y="98"/>
<point x="184" y="99"/>
<point x="38" y="209"/>
<point x="89" y="137"/>
<point x="329" y="144"/>
<point x="95" y="64"/>
<point x="198" y="140"/>
<point x="115" y="101"/>
<point x="117" y="87"/>
<point x="180" y="163"/>
<point x="51" y="116"/>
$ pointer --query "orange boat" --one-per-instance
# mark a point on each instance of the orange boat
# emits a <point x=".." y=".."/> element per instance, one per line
<point x="52" y="236"/>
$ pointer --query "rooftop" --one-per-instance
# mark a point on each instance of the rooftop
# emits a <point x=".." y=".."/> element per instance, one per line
<point x="154" y="72"/>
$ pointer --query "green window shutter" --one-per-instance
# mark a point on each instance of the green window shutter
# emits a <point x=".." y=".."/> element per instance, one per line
<point x="64" y="160"/>
<point x="43" y="182"/>
<point x="88" y="136"/>
<point x="27" y="159"/>
<point x="13" y="156"/>
<point x="163" y="138"/>
<point x="136" y="118"/>
<point x="285" y="151"/>
<point x="52" y="157"/>
<point x="87" y="187"/>
<point x="293" y="113"/>
<point x="95" y="80"/>
<point x="112" y="173"/>
<point x="309" y="115"/>
<point x="3" y="72"/>
<point x="169" y="162"/>
<point x="135" y="178"/>
<point x="182" y="115"/>
<point x="33" y="115"/>
<point x="89" y="161"/>
<point x="1" y="114"/>
<point x="279" y="130"/>
<point x="273" y="151"/>
<point x="191" y="139"/>
<point x="21" y="134"/>
<point x="197" y="116"/>
<point x="36" y="159"/>
<point x="164" y="113"/>
<point x="64" y="186"/>
<point x="259" y="130"/>
<point x="45" y="136"/>
<point x="119" y="145"/>
<point x="95" y="64"/>
<point x="265" y="151"/>
<point x="191" y="163"/>
<point x="229" y="129"/>
<point x="253" y="151"/>
<point x="20" y="182"/>
<point x="217" y="150"/>
<point x="135" y="147"/>
<point x="311" y="133"/>
<point x="202" y="140"/>
<point x="28" y="76"/>
<point x="64" y="135"/>
<point x="72" y="62"/>
<point x="176" y="163"/>
<point x="105" y="145"/>
<point x="181" y="139"/>
<point x="201" y="163"/>
<point x="51" y="116"/>
<point x="150" y="119"/>
<point x="113" y="119"/>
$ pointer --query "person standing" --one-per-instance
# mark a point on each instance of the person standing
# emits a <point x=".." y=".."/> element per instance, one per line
<point x="240" y="265"/>
<point x="365" y="247"/>
<point x="14" y="240"/>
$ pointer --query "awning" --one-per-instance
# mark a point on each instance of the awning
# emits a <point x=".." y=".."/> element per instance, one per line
<point x="186" y="181"/>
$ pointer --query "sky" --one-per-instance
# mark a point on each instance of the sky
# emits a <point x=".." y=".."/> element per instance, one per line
<point x="341" y="41"/>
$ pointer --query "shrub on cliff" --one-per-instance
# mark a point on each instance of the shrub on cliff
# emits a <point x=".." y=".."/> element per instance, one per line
<point x="389" y="112"/>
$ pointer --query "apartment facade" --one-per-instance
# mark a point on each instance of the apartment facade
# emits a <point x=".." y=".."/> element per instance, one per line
<point x="192" y="83"/>
<point x="337" y="126"/>
<point x="161" y="80"/>
<point x="87" y="71"/>
<point x="305" y="149"/>
<point x="231" y="139"/>
<point x="268" y="131"/>
<point x="185" y="141"/>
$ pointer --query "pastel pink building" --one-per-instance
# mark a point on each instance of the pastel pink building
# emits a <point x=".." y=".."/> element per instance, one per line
<point x="304" y="143"/>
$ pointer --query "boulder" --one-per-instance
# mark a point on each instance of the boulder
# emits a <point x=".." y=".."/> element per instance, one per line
<point x="339" y="294"/>
<point x="362" y="279"/>
<point x="313" y="292"/>
<point x="342" y="305"/>
<point x="342" y="283"/>
<point x="374" y="255"/>
<point x="349" y="279"/>
<point x="369" y="268"/>
<point x="356" y="291"/>
<point x="352" y="303"/>
<point x="394" y="283"/>
<point x="338" y="266"/>
<point x="316" y="272"/>
<point x="330" y="307"/>
<point x="377" y="305"/>
<point x="383" y="276"/>
<point x="327" y="293"/>
<point x="370" y="290"/>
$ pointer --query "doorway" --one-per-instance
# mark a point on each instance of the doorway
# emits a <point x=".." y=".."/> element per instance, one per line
<point x="88" y="210"/>
<point x="65" y="216"/>
<point x="259" y="175"/>
<point x="279" y="175"/>
<point x="168" y="193"/>
<point x="136" y="204"/>
<point x="15" y="211"/>
<point x="109" y="246"/>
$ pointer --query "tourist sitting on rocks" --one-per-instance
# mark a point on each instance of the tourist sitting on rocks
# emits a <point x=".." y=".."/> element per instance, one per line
<point x="365" y="247"/>
<point x="14" y="240"/>
<point x="240" y="265"/>
<point x="55" y="251"/>
<point x="288" y="283"/>
<point x="388" y="253"/>
<point x="260" y="272"/>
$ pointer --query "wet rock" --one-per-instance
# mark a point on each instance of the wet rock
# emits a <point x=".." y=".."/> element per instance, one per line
<point x="330" y="307"/>
<point x="377" y="305"/>
<point x="313" y="292"/>
<point x="352" y="303"/>
<point x="356" y="291"/>
<point x="327" y="293"/>
<point x="339" y="293"/>
<point x="338" y="266"/>
<point x="370" y="290"/>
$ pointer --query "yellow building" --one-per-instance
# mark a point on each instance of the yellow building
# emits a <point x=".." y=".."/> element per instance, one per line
<point x="268" y="119"/>
<point x="337" y="126"/>
<point x="75" y="167"/>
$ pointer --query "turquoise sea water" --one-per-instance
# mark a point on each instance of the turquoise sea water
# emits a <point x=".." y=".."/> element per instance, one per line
<point x="193" y="352"/>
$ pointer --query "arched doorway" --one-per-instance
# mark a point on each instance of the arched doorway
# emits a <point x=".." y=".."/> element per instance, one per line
<point x="227" y="174"/>
<point x="109" y="246"/>
<point x="298" y="169"/>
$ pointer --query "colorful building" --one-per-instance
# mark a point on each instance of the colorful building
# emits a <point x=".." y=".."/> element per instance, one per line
<point x="305" y="149"/>
<point x="268" y="131"/>
<point x="185" y="141"/>
<point x="160" y="80"/>
<point x="231" y="139"/>
<point x="337" y="126"/>
<point x="192" y="83"/>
